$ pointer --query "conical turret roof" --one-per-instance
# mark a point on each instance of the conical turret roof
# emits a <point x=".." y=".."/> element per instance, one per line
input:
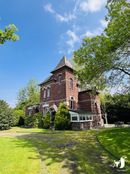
<point x="63" y="62"/>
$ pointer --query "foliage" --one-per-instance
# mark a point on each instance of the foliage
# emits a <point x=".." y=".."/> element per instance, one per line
<point x="5" y="116"/>
<point x="8" y="34"/>
<point x="39" y="120"/>
<point x="104" y="60"/>
<point x="117" y="107"/>
<point x="46" y="121"/>
<point x="62" y="118"/>
<point x="18" y="115"/>
<point x="18" y="157"/>
<point x="28" y="95"/>
<point x="34" y="121"/>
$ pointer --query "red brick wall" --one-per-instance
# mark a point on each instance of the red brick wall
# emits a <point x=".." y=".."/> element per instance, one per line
<point x="89" y="102"/>
<point x="71" y="92"/>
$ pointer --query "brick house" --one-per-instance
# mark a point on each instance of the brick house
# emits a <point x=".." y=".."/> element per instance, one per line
<point x="62" y="86"/>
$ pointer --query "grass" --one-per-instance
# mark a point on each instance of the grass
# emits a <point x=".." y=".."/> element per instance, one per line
<point x="117" y="142"/>
<point x="64" y="152"/>
<point x="18" y="159"/>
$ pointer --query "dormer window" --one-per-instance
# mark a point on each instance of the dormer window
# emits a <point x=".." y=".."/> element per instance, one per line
<point x="71" y="83"/>
<point x="59" y="78"/>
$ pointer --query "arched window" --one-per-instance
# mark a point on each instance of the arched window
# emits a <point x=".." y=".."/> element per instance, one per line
<point x="71" y="83"/>
<point x="59" y="78"/>
<point x="48" y="92"/>
<point x="44" y="93"/>
<point x="71" y="103"/>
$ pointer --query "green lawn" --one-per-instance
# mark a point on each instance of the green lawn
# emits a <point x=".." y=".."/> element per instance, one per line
<point x="117" y="142"/>
<point x="61" y="152"/>
<point x="17" y="158"/>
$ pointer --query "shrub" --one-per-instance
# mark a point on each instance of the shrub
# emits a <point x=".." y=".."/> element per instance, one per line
<point x="38" y="121"/>
<point x="35" y="120"/>
<point x="46" y="121"/>
<point x="6" y="120"/>
<point x="29" y="121"/>
<point x="62" y="118"/>
<point x="18" y="117"/>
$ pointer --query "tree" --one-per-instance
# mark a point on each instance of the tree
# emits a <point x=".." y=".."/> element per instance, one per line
<point x="5" y="116"/>
<point x="35" y="120"/>
<point x="62" y="118"/>
<point x="18" y="117"/>
<point x="28" y="95"/>
<point x="47" y="121"/>
<point x="8" y="34"/>
<point x="105" y="60"/>
<point x="117" y="107"/>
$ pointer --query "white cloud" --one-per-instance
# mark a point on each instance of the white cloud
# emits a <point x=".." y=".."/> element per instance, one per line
<point x="103" y="23"/>
<point x="72" y="40"/>
<point x="62" y="18"/>
<point x="92" y="33"/>
<point x="92" y="5"/>
<point x="48" y="8"/>
<point x="66" y="18"/>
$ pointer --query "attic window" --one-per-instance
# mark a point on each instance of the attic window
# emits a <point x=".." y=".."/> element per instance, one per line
<point x="59" y="78"/>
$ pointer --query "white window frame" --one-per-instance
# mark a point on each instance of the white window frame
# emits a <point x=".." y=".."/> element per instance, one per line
<point x="74" y="115"/>
<point x="86" y="118"/>
<point x="44" y="93"/>
<point x="48" y="91"/>
<point x="59" y="78"/>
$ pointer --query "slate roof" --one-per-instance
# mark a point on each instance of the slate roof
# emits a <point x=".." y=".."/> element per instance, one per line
<point x="63" y="62"/>
<point x="46" y="80"/>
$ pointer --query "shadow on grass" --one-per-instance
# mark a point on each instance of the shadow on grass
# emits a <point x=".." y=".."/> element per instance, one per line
<point x="117" y="142"/>
<point x="69" y="152"/>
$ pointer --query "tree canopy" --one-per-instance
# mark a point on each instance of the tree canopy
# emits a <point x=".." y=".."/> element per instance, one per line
<point x="28" y="95"/>
<point x="105" y="59"/>
<point x="8" y="34"/>
<point x="117" y="107"/>
<point x="6" y="120"/>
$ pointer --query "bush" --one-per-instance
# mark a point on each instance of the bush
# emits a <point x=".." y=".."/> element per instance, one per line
<point x="62" y="118"/>
<point x="35" y="120"/>
<point x="6" y="120"/>
<point x="38" y="122"/>
<point x="46" y="121"/>
<point x="18" y="117"/>
<point x="118" y="107"/>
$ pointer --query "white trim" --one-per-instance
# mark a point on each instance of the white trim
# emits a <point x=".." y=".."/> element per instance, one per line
<point x="73" y="114"/>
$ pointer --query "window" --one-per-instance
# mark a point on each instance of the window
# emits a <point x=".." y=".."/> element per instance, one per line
<point x="71" y="103"/>
<point x="44" y="93"/>
<point x="85" y="118"/>
<point x="59" y="79"/>
<point x="71" y="83"/>
<point x="74" y="118"/>
<point x="48" y="92"/>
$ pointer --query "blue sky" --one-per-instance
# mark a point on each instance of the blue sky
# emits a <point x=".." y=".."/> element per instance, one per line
<point x="48" y="29"/>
